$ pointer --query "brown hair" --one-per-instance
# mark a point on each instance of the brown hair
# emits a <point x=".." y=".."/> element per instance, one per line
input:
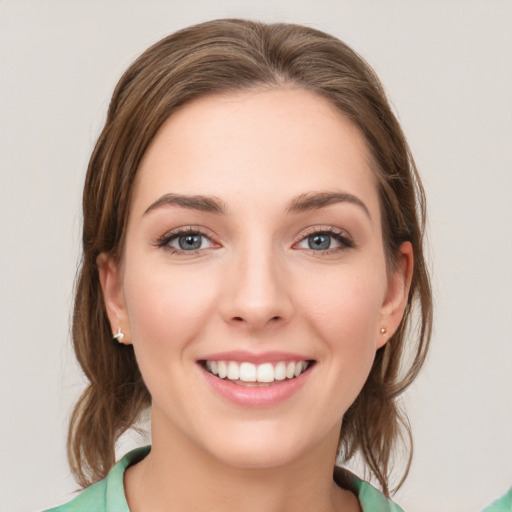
<point x="219" y="57"/>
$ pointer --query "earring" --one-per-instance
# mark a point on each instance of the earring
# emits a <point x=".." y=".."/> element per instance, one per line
<point x="383" y="330"/>
<point x="119" y="336"/>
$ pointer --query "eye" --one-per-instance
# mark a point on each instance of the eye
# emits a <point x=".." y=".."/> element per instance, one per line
<point x="325" y="240"/>
<point x="185" y="240"/>
<point x="319" y="241"/>
<point x="189" y="242"/>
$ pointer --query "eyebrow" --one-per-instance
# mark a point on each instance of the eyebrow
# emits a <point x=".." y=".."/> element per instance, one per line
<point x="316" y="200"/>
<point x="303" y="202"/>
<point x="202" y="203"/>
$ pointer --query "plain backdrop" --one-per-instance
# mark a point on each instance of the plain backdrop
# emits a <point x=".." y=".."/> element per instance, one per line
<point x="447" y="66"/>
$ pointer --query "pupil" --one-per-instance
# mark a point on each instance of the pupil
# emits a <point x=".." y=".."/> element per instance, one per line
<point x="188" y="242"/>
<point x="319" y="242"/>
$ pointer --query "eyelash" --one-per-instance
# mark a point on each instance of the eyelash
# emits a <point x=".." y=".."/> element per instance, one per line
<point x="165" y="240"/>
<point x="338" y="235"/>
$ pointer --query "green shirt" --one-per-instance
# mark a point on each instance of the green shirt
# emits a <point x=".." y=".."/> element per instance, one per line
<point x="108" y="494"/>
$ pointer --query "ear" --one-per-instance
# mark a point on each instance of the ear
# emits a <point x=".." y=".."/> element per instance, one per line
<point x="111" y="284"/>
<point x="397" y="293"/>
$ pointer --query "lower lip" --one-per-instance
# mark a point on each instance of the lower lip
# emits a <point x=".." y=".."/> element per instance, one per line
<point x="256" y="396"/>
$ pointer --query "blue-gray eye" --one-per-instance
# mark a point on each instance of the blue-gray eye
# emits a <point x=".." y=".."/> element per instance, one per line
<point x="190" y="242"/>
<point x="185" y="240"/>
<point x="326" y="240"/>
<point x="319" y="241"/>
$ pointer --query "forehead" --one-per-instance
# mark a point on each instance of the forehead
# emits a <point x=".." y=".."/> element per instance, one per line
<point x="264" y="144"/>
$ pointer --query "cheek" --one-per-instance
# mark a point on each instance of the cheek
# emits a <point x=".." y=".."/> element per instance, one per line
<point x="344" y="311"/>
<point x="347" y="305"/>
<point x="166" y="307"/>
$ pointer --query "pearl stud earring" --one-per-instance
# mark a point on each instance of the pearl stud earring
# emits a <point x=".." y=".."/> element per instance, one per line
<point x="383" y="330"/>
<point x="119" y="336"/>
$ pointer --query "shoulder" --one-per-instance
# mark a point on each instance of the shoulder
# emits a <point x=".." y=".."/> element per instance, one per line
<point x="92" y="499"/>
<point x="107" y="494"/>
<point x="503" y="504"/>
<point x="370" y="499"/>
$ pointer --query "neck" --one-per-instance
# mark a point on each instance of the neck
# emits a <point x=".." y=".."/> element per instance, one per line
<point x="179" y="476"/>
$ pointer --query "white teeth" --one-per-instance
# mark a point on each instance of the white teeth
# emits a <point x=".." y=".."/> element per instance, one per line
<point x="233" y="371"/>
<point x="223" y="370"/>
<point x="249" y="372"/>
<point x="280" y="371"/>
<point x="265" y="373"/>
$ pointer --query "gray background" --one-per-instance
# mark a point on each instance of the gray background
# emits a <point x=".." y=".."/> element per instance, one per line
<point x="447" y="68"/>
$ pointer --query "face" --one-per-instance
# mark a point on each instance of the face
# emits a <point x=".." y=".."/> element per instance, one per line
<point x="253" y="284"/>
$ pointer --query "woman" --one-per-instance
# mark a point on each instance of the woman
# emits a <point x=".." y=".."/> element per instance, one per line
<point x="253" y="226"/>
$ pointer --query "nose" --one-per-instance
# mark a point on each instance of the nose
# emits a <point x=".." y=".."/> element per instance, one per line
<point x="256" y="291"/>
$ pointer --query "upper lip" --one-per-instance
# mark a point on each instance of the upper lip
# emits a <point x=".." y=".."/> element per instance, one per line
<point x="255" y="358"/>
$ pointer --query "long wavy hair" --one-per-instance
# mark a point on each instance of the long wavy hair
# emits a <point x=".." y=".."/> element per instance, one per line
<point x="219" y="57"/>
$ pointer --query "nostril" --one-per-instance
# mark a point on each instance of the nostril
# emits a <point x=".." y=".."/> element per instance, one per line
<point x="273" y="319"/>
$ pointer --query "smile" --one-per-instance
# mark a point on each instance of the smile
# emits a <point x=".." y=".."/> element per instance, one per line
<point x="265" y="373"/>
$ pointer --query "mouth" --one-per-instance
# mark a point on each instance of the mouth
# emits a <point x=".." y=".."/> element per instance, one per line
<point x="245" y="373"/>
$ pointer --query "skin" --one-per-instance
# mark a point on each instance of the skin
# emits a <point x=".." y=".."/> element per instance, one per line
<point x="254" y="285"/>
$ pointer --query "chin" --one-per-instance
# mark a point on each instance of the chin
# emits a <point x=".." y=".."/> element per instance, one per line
<point x="247" y="457"/>
<point x="258" y="447"/>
